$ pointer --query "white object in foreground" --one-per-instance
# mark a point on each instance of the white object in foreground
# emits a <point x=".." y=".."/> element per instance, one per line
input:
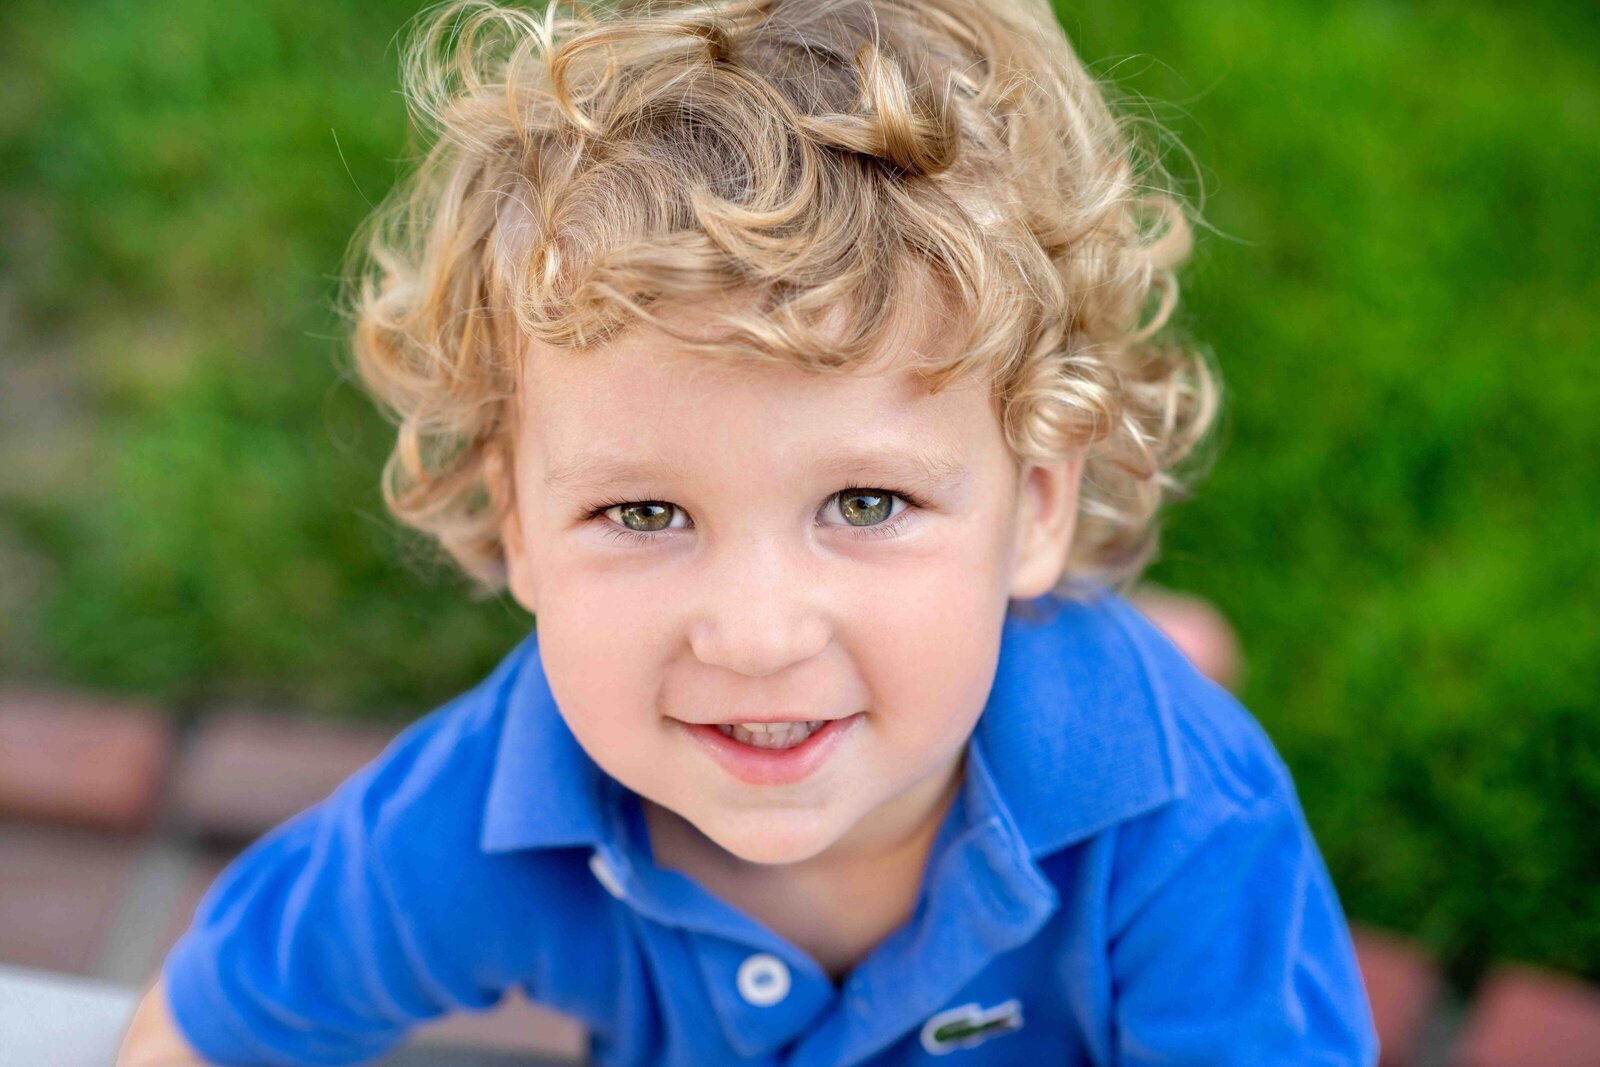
<point x="62" y="1020"/>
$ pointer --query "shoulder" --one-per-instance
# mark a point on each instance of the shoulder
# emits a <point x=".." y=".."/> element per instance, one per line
<point x="1235" y="799"/>
<point x="1227" y="756"/>
<point x="1096" y="720"/>
<point x="1217" y="905"/>
<point x="431" y="779"/>
<point x="1105" y="730"/>
<point x="421" y="808"/>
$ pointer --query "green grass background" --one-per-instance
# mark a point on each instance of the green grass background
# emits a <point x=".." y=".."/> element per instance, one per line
<point x="1401" y="294"/>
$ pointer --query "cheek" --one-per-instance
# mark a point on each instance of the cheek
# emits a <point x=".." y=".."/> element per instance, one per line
<point x="929" y="649"/>
<point x="598" y="659"/>
<point x="601" y="621"/>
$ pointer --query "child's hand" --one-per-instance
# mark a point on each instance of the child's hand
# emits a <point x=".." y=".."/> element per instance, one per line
<point x="153" y="1039"/>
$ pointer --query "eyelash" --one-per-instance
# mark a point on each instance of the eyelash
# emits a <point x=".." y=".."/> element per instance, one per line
<point x="865" y="533"/>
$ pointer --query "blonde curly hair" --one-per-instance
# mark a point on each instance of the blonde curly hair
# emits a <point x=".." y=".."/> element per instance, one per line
<point x="587" y="168"/>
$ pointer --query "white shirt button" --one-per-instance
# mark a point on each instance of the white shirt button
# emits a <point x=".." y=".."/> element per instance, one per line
<point x="763" y="980"/>
<point x="604" y="874"/>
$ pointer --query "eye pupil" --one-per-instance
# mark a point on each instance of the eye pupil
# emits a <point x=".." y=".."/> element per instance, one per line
<point x="868" y="508"/>
<point x="650" y="516"/>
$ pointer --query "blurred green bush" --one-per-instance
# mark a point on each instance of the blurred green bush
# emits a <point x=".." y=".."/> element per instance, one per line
<point x="1401" y="295"/>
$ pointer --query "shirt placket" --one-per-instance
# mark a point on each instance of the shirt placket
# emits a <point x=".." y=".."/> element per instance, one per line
<point x="764" y="991"/>
<point x="986" y="897"/>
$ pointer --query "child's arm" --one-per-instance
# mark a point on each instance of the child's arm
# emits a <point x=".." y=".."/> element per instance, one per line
<point x="333" y="935"/>
<point x="153" y="1040"/>
<point x="380" y="908"/>
<point x="1231" y="948"/>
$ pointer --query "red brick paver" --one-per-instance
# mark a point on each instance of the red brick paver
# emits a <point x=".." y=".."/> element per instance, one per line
<point x="244" y="772"/>
<point x="59" y="890"/>
<point x="1403" y="985"/>
<point x="75" y="758"/>
<point x="1527" y="1017"/>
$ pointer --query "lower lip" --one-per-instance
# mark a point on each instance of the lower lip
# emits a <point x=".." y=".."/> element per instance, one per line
<point x="774" y="766"/>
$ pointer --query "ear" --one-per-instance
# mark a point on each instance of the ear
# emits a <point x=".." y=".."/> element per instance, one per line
<point x="1047" y="512"/>
<point x="500" y="478"/>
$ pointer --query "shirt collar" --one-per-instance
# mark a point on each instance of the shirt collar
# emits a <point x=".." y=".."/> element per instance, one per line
<point x="544" y="790"/>
<point x="1077" y="735"/>
<point x="1078" y="728"/>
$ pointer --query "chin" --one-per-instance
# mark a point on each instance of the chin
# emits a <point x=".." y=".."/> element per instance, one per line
<point x="755" y="841"/>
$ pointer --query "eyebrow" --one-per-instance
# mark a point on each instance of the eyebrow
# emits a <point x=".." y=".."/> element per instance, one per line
<point x="917" y="470"/>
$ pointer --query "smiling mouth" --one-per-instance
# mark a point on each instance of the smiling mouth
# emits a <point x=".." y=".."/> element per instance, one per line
<point x="781" y="755"/>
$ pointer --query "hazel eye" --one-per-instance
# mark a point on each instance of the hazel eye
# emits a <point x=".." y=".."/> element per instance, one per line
<point x="646" y="516"/>
<point x="865" y="507"/>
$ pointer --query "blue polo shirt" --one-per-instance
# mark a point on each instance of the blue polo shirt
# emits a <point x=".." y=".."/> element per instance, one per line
<point x="1125" y="877"/>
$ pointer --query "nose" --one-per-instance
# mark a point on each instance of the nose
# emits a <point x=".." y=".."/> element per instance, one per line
<point x="761" y="611"/>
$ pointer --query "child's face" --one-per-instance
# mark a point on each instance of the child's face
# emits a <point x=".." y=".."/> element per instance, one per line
<point x="763" y="570"/>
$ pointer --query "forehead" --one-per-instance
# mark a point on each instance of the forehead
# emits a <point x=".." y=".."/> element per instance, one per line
<point x="644" y="393"/>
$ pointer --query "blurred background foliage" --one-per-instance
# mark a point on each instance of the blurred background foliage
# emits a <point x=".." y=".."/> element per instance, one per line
<point x="1401" y="292"/>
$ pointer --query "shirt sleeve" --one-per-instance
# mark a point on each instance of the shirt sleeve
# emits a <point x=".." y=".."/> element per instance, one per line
<point x="298" y="954"/>
<point x="1237" y="951"/>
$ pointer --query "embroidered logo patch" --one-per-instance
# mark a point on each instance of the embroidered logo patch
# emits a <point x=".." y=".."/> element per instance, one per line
<point x="970" y="1025"/>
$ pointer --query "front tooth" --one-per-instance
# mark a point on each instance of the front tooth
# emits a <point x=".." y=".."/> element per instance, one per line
<point x="772" y="738"/>
<point x="770" y="735"/>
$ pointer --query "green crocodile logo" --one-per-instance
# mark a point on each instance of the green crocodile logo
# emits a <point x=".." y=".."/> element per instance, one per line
<point x="970" y="1025"/>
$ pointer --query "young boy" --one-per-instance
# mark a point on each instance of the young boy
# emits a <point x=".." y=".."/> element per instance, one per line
<point x="794" y="364"/>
